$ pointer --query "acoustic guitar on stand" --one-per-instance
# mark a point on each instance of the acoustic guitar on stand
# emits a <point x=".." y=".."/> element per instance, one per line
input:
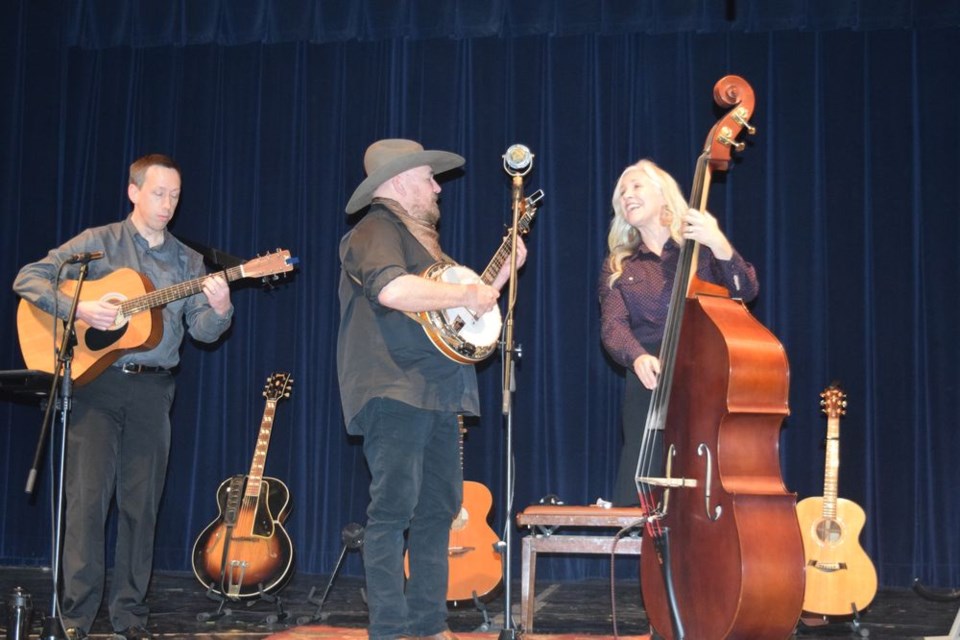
<point x="138" y="326"/>
<point x="840" y="578"/>
<point x="475" y="567"/>
<point x="246" y="552"/>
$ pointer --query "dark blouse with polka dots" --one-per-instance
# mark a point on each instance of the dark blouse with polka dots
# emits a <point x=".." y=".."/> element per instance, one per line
<point x="633" y="313"/>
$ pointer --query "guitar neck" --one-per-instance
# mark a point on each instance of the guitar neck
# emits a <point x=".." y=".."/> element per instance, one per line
<point x="529" y="208"/>
<point x="174" y="292"/>
<point x="499" y="258"/>
<point x="460" y="431"/>
<point x="831" y="471"/>
<point x="255" y="475"/>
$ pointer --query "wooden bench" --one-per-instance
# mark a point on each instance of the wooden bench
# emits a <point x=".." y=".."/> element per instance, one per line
<point x="544" y="520"/>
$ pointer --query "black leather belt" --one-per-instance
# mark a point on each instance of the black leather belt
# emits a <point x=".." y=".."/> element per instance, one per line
<point x="139" y="368"/>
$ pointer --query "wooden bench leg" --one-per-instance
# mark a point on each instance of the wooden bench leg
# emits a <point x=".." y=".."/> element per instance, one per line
<point x="528" y="578"/>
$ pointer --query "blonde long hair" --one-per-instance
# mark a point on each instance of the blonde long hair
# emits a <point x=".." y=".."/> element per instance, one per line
<point x="623" y="238"/>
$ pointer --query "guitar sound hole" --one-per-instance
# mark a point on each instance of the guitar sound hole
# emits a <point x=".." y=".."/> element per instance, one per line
<point x="97" y="340"/>
<point x="829" y="531"/>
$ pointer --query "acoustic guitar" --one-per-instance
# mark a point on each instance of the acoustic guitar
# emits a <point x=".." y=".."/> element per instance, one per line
<point x="246" y="551"/>
<point x="475" y="568"/>
<point x="459" y="333"/>
<point x="840" y="578"/>
<point x="133" y="329"/>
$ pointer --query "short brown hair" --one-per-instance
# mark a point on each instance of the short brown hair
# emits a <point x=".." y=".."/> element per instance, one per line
<point x="138" y="170"/>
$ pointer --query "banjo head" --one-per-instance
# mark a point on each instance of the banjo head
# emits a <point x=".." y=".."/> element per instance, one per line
<point x="465" y="336"/>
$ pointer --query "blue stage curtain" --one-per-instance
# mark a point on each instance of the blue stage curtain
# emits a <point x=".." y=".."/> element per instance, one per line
<point x="97" y="24"/>
<point x="846" y="200"/>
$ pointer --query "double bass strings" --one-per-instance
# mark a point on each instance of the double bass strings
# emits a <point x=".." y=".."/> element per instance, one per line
<point x="651" y="462"/>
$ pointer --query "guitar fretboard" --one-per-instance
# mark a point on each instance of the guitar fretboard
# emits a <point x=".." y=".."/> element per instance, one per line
<point x="255" y="475"/>
<point x="831" y="471"/>
<point x="174" y="292"/>
<point x="503" y="253"/>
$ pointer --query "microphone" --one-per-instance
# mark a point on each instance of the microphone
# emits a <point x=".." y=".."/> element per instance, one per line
<point x="84" y="258"/>
<point x="517" y="160"/>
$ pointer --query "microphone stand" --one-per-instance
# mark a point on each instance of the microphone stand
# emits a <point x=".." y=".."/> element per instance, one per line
<point x="509" y="386"/>
<point x="64" y="378"/>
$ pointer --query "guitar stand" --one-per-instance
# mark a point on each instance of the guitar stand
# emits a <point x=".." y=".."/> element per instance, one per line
<point x="482" y="608"/>
<point x="856" y="627"/>
<point x="223" y="611"/>
<point x="279" y="615"/>
<point x="352" y="537"/>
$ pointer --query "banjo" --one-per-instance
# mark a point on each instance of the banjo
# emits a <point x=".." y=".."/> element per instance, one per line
<point x="459" y="333"/>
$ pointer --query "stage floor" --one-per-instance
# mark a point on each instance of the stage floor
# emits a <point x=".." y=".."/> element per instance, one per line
<point x="180" y="609"/>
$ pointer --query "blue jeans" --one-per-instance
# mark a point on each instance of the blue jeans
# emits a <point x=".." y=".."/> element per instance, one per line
<point x="417" y="487"/>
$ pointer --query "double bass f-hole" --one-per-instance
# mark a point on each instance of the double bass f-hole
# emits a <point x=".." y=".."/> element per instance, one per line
<point x="704" y="450"/>
<point x="669" y="482"/>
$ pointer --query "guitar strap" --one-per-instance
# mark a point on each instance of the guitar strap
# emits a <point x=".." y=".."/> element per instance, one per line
<point x="237" y="483"/>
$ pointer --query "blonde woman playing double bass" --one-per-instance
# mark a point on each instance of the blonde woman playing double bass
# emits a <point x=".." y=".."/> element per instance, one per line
<point x="650" y="220"/>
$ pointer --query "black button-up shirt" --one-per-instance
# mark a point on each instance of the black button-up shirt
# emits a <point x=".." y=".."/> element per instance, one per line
<point x="382" y="352"/>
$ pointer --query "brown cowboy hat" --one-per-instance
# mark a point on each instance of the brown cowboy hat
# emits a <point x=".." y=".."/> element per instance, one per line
<point x="385" y="159"/>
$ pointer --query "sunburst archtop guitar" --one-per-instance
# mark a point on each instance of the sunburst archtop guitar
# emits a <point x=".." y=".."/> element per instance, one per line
<point x="840" y="578"/>
<point x="138" y="327"/>
<point x="459" y="333"/>
<point x="246" y="551"/>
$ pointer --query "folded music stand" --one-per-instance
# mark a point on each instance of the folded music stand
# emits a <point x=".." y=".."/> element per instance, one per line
<point x="25" y="385"/>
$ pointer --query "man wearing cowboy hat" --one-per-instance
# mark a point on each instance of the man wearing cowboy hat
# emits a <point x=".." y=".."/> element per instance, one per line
<point x="398" y="390"/>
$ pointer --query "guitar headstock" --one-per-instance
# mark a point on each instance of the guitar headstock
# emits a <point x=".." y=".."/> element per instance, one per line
<point x="529" y="209"/>
<point x="833" y="401"/>
<point x="268" y="265"/>
<point x="278" y="386"/>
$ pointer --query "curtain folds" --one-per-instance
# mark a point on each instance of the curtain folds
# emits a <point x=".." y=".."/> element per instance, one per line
<point x="846" y="201"/>
<point x="97" y="24"/>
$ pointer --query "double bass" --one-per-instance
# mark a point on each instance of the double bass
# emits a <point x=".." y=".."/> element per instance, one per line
<point x="722" y="555"/>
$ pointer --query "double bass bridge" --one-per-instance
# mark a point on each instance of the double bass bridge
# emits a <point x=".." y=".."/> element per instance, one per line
<point x="669" y="482"/>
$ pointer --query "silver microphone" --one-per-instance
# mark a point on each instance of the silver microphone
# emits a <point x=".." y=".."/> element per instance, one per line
<point x="517" y="160"/>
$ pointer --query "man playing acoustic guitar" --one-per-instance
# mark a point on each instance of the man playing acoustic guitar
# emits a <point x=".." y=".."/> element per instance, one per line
<point x="398" y="390"/>
<point x="119" y="433"/>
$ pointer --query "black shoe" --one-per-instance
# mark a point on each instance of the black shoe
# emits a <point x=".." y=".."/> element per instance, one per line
<point x="132" y="633"/>
<point x="75" y="634"/>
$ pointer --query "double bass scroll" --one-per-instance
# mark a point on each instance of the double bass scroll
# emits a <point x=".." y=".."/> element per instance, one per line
<point x="722" y="555"/>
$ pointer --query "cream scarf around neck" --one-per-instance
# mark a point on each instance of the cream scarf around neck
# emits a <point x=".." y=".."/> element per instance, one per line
<point x="425" y="233"/>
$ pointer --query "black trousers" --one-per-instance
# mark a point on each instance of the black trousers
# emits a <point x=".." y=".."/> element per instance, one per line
<point x="636" y="400"/>
<point x="118" y="443"/>
<point x="416" y="487"/>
